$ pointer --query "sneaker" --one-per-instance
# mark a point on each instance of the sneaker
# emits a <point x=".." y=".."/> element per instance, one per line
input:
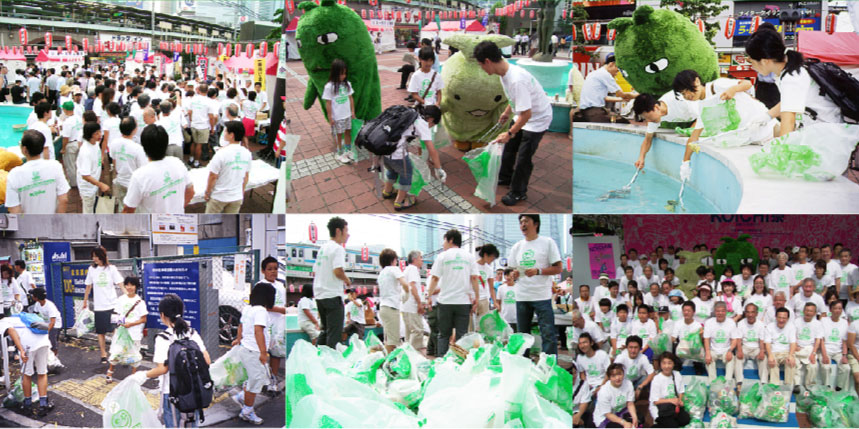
<point x="239" y="398"/>
<point x="196" y="164"/>
<point x="350" y="155"/>
<point x="511" y="198"/>
<point x="343" y="159"/>
<point x="250" y="417"/>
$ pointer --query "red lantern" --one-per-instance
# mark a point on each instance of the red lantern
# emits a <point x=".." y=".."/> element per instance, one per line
<point x="49" y="40"/>
<point x="375" y="290"/>
<point x="596" y="31"/>
<point x="418" y="16"/>
<point x="277" y="48"/>
<point x="756" y="23"/>
<point x="220" y="49"/>
<point x="730" y="25"/>
<point x="364" y="13"/>
<point x="399" y="16"/>
<point x="99" y="45"/>
<point x="521" y="14"/>
<point x="263" y="49"/>
<point x="586" y="29"/>
<point x="311" y="231"/>
<point x="187" y="48"/>
<point x="612" y="33"/>
<point x="75" y="48"/>
<point x="229" y="49"/>
<point x="85" y="44"/>
<point x="527" y="3"/>
<point x="365" y="253"/>
<point x="574" y="33"/>
<point x="569" y="264"/>
<point x="206" y="51"/>
<point x="700" y="23"/>
<point x="402" y="264"/>
<point x="564" y="14"/>
<point x="249" y="50"/>
<point x="29" y="50"/>
<point x="831" y="22"/>
<point x="22" y="35"/>
<point x="532" y="14"/>
<point x="238" y="49"/>
<point x="291" y="288"/>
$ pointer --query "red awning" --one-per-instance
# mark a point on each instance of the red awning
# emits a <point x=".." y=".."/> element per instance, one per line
<point x="473" y="25"/>
<point x="839" y="48"/>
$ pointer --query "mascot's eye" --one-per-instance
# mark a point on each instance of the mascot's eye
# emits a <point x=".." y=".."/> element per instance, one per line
<point x="721" y="261"/>
<point x="747" y="261"/>
<point x="456" y="96"/>
<point x="497" y="98"/>
<point x="327" y="38"/>
<point x="656" y="66"/>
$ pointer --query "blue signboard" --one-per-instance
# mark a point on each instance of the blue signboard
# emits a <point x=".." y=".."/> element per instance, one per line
<point x="54" y="253"/>
<point x="74" y="276"/>
<point x="744" y="25"/>
<point x="462" y="23"/>
<point x="181" y="278"/>
<point x="485" y="20"/>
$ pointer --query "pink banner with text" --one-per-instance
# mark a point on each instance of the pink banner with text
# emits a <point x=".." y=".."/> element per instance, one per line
<point x="602" y="259"/>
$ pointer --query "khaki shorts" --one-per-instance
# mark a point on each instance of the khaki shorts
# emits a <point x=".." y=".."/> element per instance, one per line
<point x="200" y="136"/>
<point x="257" y="374"/>
<point x="215" y="206"/>
<point x="88" y="204"/>
<point x="310" y="329"/>
<point x="119" y="192"/>
<point x="38" y="360"/>
<point x="174" y="150"/>
<point x="854" y="364"/>
<point x="391" y="322"/>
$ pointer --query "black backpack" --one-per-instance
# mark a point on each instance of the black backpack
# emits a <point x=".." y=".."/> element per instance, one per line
<point x="126" y="109"/>
<point x="381" y="134"/>
<point x="841" y="87"/>
<point x="191" y="387"/>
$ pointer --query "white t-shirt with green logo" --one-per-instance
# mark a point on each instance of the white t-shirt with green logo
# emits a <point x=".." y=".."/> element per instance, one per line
<point x="339" y="101"/>
<point x="232" y="164"/>
<point x="802" y="271"/>
<point x="620" y="331"/>
<point x="159" y="187"/>
<point x="676" y="311"/>
<point x="647" y="331"/>
<point x="807" y="332"/>
<point x="35" y="186"/>
<point x="306" y="303"/>
<point x="834" y="334"/>
<point x="751" y="335"/>
<point x="585" y="307"/>
<point x="612" y="400"/>
<point x="128" y="157"/>
<point x="507" y="295"/>
<point x="354" y="313"/>
<point x="763" y="302"/>
<point x="849" y="277"/>
<point x="454" y="268"/>
<point x="419" y="83"/>
<point x="780" y="280"/>
<point x="634" y="368"/>
<point x="330" y="257"/>
<point x="413" y="275"/>
<point x="594" y="367"/>
<point x="485" y="281"/>
<point x="663" y="387"/>
<point x="780" y="338"/>
<point x="797" y="303"/>
<point x="88" y="164"/>
<point x="854" y="329"/>
<point x="852" y="311"/>
<point x="103" y="280"/>
<point x="541" y="253"/>
<point x="719" y="334"/>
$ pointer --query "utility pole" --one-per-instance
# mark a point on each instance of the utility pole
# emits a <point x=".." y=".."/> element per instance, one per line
<point x="277" y="112"/>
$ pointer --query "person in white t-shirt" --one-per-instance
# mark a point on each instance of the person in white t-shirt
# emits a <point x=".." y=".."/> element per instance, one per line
<point x="637" y="367"/>
<point x="249" y="114"/>
<point x="719" y="342"/>
<point x="43" y="115"/>
<point x="537" y="259"/>
<point x="809" y="340"/>
<point x="853" y="350"/>
<point x="34" y="349"/>
<point x="203" y="120"/>
<point x="598" y="86"/>
<point x="582" y="325"/>
<point x="616" y="400"/>
<point x="170" y="310"/>
<point x="486" y="256"/>
<point x="621" y="329"/>
<point x="506" y="298"/>
<point x="849" y="275"/>
<point x="398" y="165"/>
<point x="781" y="348"/>
<point x="412" y="308"/>
<point x="592" y="362"/>
<point x="806" y="295"/>
<point x="229" y="170"/>
<point x="48" y="310"/>
<point x="781" y="277"/>
<point x="456" y="273"/>
<point x="127" y="157"/>
<point x="527" y="99"/>
<point x="102" y="279"/>
<point x="171" y="120"/>
<point x="89" y="168"/>
<point x="163" y="185"/>
<point x="426" y="85"/>
<point x="340" y="109"/>
<point x="39" y="185"/>
<point x="667" y="388"/>
<point x="833" y="351"/>
<point x="130" y="311"/>
<point x="750" y="335"/>
<point x="329" y="281"/>
<point x="654" y="111"/>
<point x="308" y="313"/>
<point x="391" y="281"/>
<point x="585" y="302"/>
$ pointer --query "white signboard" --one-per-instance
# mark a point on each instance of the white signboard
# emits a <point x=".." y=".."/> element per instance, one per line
<point x="179" y="229"/>
<point x="127" y="38"/>
<point x="281" y="58"/>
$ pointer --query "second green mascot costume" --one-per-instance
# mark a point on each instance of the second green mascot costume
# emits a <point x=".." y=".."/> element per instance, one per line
<point x="329" y="31"/>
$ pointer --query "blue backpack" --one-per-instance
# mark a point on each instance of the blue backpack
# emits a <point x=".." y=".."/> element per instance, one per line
<point x="34" y="322"/>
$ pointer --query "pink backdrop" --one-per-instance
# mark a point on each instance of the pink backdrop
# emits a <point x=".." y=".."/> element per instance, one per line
<point x="645" y="232"/>
<point x="601" y="256"/>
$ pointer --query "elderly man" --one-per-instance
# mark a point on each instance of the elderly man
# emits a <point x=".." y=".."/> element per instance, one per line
<point x="798" y="302"/>
<point x="599" y="85"/>
<point x="580" y="324"/>
<point x="780" y="343"/>
<point x="412" y="309"/>
<point x="719" y="342"/>
<point x="809" y="340"/>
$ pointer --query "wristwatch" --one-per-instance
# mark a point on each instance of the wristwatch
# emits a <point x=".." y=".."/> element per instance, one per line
<point x="539" y="271"/>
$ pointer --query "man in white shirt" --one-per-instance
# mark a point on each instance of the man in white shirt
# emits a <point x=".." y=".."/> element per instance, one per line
<point x="127" y="157"/>
<point x="34" y="84"/>
<point x="203" y="120"/>
<point x="455" y="272"/>
<point x="779" y="301"/>
<point x="809" y="340"/>
<point x="24" y="279"/>
<point x="667" y="108"/>
<point x="849" y="274"/>
<point x="172" y="122"/>
<point x="533" y="115"/>
<point x="833" y="351"/>
<point x="39" y="185"/>
<point x="537" y="259"/>
<point x="412" y="308"/>
<point x="750" y="336"/>
<point x="43" y="115"/>
<point x="781" y="348"/>
<point x="580" y="325"/>
<point x="798" y="302"/>
<point x="833" y="267"/>
<point x="600" y="84"/>
<point x="329" y="282"/>
<point x="161" y="186"/>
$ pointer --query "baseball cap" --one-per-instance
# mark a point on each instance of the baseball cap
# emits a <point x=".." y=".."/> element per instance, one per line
<point x="69" y="105"/>
<point x="609" y="58"/>
<point x="675" y="292"/>
<point x="663" y="309"/>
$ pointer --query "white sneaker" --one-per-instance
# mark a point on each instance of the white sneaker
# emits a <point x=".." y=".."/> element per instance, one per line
<point x="250" y="417"/>
<point x="343" y="158"/>
<point x="351" y="156"/>
<point x="239" y="398"/>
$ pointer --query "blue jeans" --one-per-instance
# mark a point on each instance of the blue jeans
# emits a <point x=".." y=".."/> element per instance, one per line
<point x="545" y="317"/>
<point x="172" y="417"/>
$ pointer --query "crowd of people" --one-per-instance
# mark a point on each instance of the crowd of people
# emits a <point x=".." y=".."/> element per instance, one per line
<point x="461" y="288"/>
<point x="796" y="310"/>
<point x="108" y="131"/>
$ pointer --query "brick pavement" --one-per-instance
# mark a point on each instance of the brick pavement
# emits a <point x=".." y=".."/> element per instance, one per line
<point x="323" y="185"/>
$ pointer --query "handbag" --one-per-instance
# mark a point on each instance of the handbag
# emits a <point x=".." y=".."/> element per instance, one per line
<point x="678" y="413"/>
<point x="106" y="205"/>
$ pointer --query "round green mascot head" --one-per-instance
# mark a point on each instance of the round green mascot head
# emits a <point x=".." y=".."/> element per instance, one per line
<point x="654" y="45"/>
<point x="735" y="253"/>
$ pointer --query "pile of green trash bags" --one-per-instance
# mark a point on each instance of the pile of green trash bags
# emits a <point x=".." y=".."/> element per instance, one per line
<point x="359" y="385"/>
<point x="723" y="397"/>
<point x="816" y="152"/>
<point x="691" y="347"/>
<point x="767" y="402"/>
<point x="125" y="406"/>
<point x="227" y="370"/>
<point x="827" y="408"/>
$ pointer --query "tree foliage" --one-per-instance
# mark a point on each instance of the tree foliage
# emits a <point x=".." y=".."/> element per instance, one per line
<point x="704" y="9"/>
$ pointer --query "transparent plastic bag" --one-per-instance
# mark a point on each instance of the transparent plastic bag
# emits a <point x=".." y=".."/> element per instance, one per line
<point x="750" y="397"/>
<point x="723" y="420"/>
<point x="228" y="370"/>
<point x="816" y="152"/>
<point x="406" y="392"/>
<point x="695" y="398"/>
<point x="123" y="351"/>
<point x="126" y="406"/>
<point x="16" y="395"/>
<point x="554" y="383"/>
<point x="494" y="328"/>
<point x="485" y="164"/>
<point x="719" y="116"/>
<point x="518" y="343"/>
<point x="421" y="174"/>
<point x="470" y="341"/>
<point x="774" y="405"/>
<point x="723" y="396"/>
<point x="85" y="322"/>
<point x="661" y="344"/>
<point x="691" y="347"/>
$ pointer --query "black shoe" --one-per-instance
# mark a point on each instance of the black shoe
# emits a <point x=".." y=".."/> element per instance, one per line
<point x="796" y="390"/>
<point x="103" y="360"/>
<point x="409" y="98"/>
<point x="511" y="198"/>
<point x="503" y="182"/>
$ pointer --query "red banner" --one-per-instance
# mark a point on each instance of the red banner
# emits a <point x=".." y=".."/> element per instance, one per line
<point x="22" y="36"/>
<point x="49" y="40"/>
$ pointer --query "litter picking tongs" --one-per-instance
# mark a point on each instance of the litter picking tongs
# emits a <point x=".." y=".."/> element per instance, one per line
<point x="622" y="192"/>
<point x="485" y="137"/>
<point x="672" y="204"/>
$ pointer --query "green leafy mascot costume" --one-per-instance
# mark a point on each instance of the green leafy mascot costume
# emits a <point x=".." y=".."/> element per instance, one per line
<point x="735" y="253"/>
<point x="654" y="45"/>
<point x="329" y="31"/>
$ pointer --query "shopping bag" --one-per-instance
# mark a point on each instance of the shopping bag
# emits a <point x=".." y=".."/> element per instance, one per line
<point x="816" y="152"/>
<point x="106" y="205"/>
<point x="16" y="395"/>
<point x="493" y="327"/>
<point x="228" y="370"/>
<point x="554" y="383"/>
<point x="85" y="322"/>
<point x="485" y="164"/>
<point x="750" y="397"/>
<point x="125" y="406"/>
<point x="278" y="340"/>
<point x="723" y="396"/>
<point x="122" y="348"/>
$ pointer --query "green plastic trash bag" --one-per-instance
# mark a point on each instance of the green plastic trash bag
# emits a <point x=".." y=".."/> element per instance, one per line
<point x="750" y="397"/>
<point x="304" y="375"/>
<point x="356" y="127"/>
<point x="843" y="403"/>
<point x="494" y="328"/>
<point x="695" y="398"/>
<point x="775" y="403"/>
<point x="371" y="341"/>
<point x="695" y="424"/>
<point x="122" y="348"/>
<point x="691" y="347"/>
<point x="85" y="322"/>
<point x="718" y="116"/>
<point x="554" y="383"/>
<point x="822" y="416"/>
<point x="406" y="392"/>
<point x="470" y="341"/>
<point x="125" y="406"/>
<point x="368" y="370"/>
<point x="319" y="411"/>
<point x="440" y="137"/>
<point x="277" y="346"/>
<point x="518" y="343"/>
<point x="660" y="344"/>
<point x="850" y="413"/>
<point x="808" y="397"/>
<point x="16" y="395"/>
<point x="227" y="370"/>
<point x="723" y="396"/>
<point x="485" y="163"/>
<point x="723" y="420"/>
<point x="420" y="174"/>
<point x="291" y="144"/>
<point x="397" y="365"/>
<point x="540" y="413"/>
<point x="816" y="152"/>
